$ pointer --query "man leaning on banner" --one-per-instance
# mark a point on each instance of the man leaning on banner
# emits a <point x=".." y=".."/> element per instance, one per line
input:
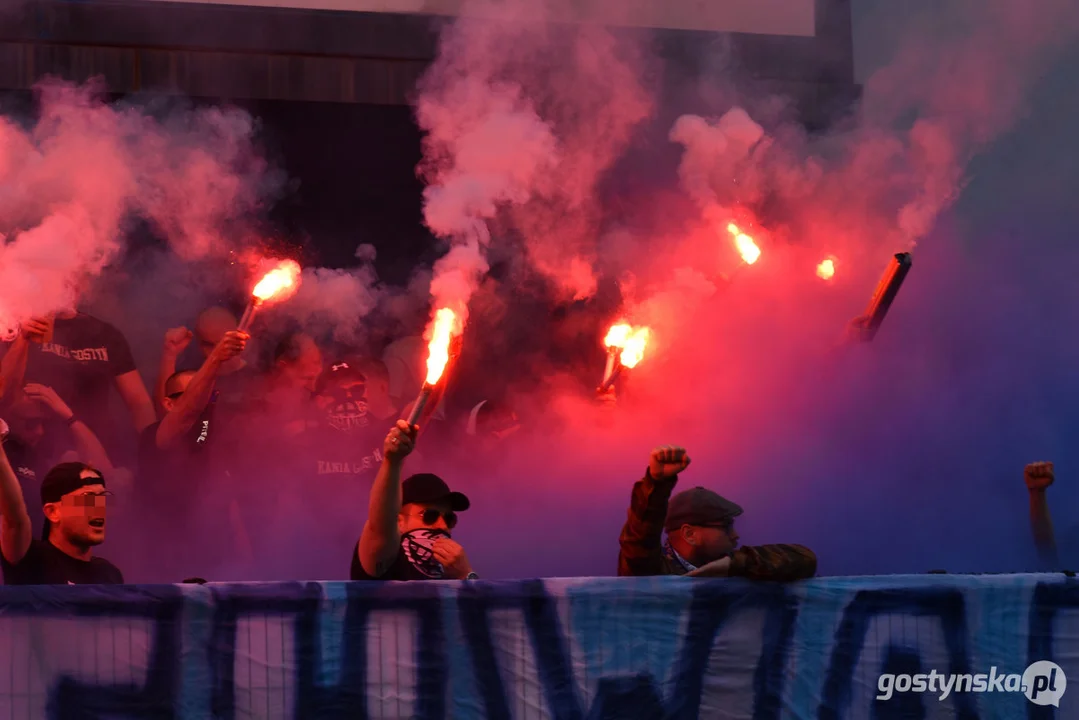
<point x="701" y="539"/>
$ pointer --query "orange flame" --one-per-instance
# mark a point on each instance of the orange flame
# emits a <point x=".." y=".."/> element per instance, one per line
<point x="630" y="340"/>
<point x="826" y="269"/>
<point x="279" y="283"/>
<point x="746" y="247"/>
<point x="617" y="335"/>
<point x="438" y="349"/>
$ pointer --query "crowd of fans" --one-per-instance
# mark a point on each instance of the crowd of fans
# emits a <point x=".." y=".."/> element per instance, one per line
<point x="330" y="425"/>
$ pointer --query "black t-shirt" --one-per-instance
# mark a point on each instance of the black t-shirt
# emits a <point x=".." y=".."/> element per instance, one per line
<point x="44" y="564"/>
<point x="353" y="456"/>
<point x="178" y="487"/>
<point x="414" y="560"/>
<point x="80" y="364"/>
<point x="186" y="462"/>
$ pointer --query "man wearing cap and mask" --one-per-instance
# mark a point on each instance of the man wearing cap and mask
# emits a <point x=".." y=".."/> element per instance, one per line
<point x="73" y="500"/>
<point x="701" y="539"/>
<point x="407" y="533"/>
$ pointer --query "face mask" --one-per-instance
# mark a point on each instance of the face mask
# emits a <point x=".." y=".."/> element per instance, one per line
<point x="416" y="545"/>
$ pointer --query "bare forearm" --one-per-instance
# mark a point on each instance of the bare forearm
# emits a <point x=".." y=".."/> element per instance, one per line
<point x="13" y="366"/>
<point x="15" y="532"/>
<point x="190" y="405"/>
<point x="90" y="448"/>
<point x="380" y="531"/>
<point x="165" y="370"/>
<point x="1041" y="525"/>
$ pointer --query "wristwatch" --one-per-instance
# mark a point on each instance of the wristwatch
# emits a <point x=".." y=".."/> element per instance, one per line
<point x="472" y="576"/>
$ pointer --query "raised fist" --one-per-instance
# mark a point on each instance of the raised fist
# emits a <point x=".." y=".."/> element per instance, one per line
<point x="177" y="339"/>
<point x="667" y="462"/>
<point x="1039" y="475"/>
<point x="231" y="345"/>
<point x="399" y="442"/>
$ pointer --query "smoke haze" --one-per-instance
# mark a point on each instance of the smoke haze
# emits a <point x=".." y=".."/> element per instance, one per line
<point x="902" y="455"/>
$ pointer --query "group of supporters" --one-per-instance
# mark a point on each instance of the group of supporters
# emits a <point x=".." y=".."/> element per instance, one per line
<point x="208" y="436"/>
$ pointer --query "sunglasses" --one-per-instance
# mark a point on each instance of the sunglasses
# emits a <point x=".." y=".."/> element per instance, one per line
<point x="431" y="516"/>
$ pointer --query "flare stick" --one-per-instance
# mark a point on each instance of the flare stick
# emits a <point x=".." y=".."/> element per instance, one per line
<point x="249" y="315"/>
<point x="614" y="367"/>
<point x="887" y="289"/>
<point x="421" y="403"/>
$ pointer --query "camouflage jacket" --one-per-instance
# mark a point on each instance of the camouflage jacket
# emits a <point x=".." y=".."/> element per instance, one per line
<point x="641" y="543"/>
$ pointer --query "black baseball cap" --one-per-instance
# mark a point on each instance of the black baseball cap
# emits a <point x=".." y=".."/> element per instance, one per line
<point x="66" y="478"/>
<point x="699" y="506"/>
<point x="426" y="488"/>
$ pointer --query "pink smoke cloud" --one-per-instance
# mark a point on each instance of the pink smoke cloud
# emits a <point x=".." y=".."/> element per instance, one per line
<point x="73" y="180"/>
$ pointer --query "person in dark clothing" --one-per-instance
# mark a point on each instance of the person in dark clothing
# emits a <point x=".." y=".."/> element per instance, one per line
<point x="175" y="460"/>
<point x="80" y="357"/>
<point x="701" y="539"/>
<point x="45" y="431"/>
<point x="73" y="501"/>
<point x="407" y="535"/>
<point x="345" y="445"/>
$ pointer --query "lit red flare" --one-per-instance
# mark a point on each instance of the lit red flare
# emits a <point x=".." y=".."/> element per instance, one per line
<point x="280" y="283"/>
<point x="442" y="330"/>
<point x="438" y="349"/>
<point x="826" y="268"/>
<point x="625" y="348"/>
<point x="747" y="248"/>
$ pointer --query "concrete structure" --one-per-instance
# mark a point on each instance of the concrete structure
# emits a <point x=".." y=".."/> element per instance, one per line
<point x="372" y="51"/>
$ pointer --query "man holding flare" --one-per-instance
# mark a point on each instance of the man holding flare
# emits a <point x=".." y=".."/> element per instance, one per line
<point x="407" y="535"/>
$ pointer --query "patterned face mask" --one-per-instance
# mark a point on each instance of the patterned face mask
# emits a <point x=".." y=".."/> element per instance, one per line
<point x="416" y="545"/>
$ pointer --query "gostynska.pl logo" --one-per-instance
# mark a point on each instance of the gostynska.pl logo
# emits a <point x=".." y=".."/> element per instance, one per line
<point x="1042" y="683"/>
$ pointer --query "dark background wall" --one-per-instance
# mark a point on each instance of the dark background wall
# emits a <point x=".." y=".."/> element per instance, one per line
<point x="332" y="89"/>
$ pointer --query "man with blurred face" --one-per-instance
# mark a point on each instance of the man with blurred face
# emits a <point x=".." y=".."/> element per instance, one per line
<point x="82" y="357"/>
<point x="210" y="328"/>
<point x="73" y="501"/>
<point x="701" y="539"/>
<point x="175" y="456"/>
<point x="44" y="430"/>
<point x="407" y="535"/>
<point x="298" y="362"/>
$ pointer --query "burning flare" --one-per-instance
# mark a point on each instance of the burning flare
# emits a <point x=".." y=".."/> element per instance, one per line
<point x="826" y="269"/>
<point x="633" y="349"/>
<point x="625" y="348"/>
<point x="438" y="349"/>
<point x="444" y="327"/>
<point x="278" y="284"/>
<point x="746" y="247"/>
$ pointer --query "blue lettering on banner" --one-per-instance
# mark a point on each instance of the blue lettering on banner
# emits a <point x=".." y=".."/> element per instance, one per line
<point x="1048" y="600"/>
<point x="584" y="649"/>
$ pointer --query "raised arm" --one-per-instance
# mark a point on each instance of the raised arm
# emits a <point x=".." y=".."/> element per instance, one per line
<point x="640" y="543"/>
<point x="1039" y="476"/>
<point x="88" y="446"/>
<point x="185" y="413"/>
<point x="15" y="527"/>
<point x="176" y="341"/>
<point x="13" y="364"/>
<point x="137" y="399"/>
<point x="380" y="540"/>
